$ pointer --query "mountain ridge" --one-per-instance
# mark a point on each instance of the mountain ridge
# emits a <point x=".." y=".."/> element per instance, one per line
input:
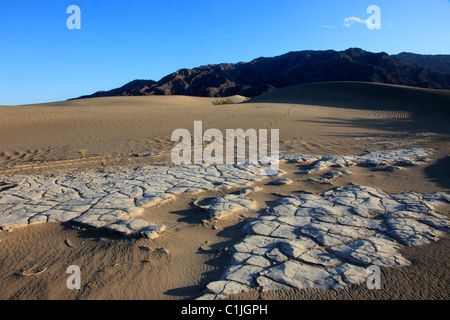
<point x="437" y="62"/>
<point x="265" y="74"/>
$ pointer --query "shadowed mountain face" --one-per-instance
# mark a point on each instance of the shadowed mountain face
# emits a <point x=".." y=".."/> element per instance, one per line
<point x="133" y="88"/>
<point x="438" y="62"/>
<point x="265" y="74"/>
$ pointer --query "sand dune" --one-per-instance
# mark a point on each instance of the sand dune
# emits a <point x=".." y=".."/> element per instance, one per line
<point x="118" y="125"/>
<point x="362" y="95"/>
<point x="121" y="126"/>
<point x="324" y="119"/>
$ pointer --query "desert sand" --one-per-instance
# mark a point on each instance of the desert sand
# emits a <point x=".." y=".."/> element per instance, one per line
<point x="347" y="119"/>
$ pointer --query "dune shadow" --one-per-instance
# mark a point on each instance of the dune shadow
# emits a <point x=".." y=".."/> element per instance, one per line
<point x="427" y="107"/>
<point x="192" y="215"/>
<point x="184" y="291"/>
<point x="415" y="124"/>
<point x="440" y="172"/>
<point x="90" y="232"/>
<point x="220" y="259"/>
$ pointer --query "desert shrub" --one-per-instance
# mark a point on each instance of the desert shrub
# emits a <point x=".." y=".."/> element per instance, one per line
<point x="223" y="101"/>
<point x="82" y="153"/>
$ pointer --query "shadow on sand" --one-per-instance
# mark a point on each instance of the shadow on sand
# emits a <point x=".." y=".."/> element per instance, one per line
<point x="440" y="172"/>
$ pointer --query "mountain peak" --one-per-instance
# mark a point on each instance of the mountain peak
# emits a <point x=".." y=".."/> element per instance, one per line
<point x="355" y="52"/>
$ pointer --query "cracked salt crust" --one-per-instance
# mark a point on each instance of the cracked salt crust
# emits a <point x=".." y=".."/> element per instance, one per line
<point x="111" y="200"/>
<point x="311" y="240"/>
<point x="384" y="158"/>
<point x="328" y="240"/>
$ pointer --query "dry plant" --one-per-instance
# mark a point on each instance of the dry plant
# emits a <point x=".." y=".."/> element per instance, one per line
<point x="82" y="152"/>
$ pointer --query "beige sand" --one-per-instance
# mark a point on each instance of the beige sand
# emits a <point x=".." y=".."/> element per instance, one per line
<point x="123" y="130"/>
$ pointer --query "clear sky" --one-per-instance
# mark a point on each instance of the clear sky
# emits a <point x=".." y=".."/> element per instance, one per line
<point x="42" y="60"/>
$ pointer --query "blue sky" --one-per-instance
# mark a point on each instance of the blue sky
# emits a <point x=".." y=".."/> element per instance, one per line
<point x="41" y="60"/>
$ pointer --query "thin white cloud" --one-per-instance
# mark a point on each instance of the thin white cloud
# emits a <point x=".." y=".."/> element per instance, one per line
<point x="373" y="22"/>
<point x="348" y="22"/>
<point x="327" y="27"/>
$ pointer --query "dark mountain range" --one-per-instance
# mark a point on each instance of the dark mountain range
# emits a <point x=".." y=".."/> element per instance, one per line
<point x="437" y="62"/>
<point x="265" y="74"/>
<point x="133" y="88"/>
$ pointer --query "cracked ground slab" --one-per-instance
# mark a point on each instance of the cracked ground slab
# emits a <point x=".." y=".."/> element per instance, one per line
<point x="112" y="199"/>
<point x="384" y="159"/>
<point x="328" y="240"/>
<point x="322" y="240"/>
